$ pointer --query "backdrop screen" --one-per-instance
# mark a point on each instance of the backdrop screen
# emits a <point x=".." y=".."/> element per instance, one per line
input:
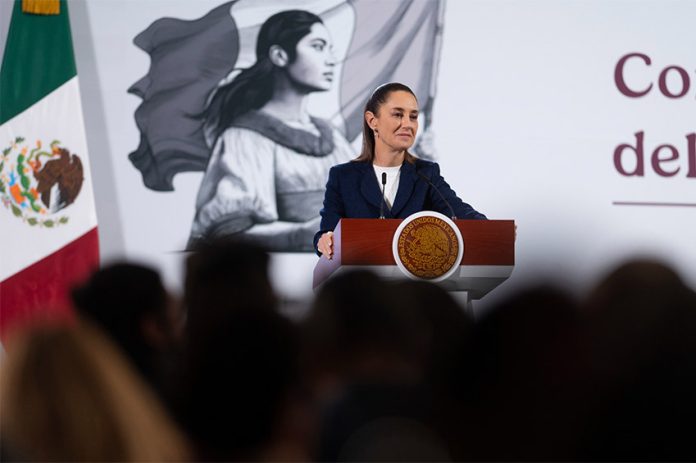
<point x="577" y="119"/>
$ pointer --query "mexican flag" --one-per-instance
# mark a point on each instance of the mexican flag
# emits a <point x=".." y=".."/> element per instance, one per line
<point x="48" y="224"/>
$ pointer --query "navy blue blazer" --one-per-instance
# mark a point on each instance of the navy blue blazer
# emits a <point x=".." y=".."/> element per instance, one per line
<point x="354" y="192"/>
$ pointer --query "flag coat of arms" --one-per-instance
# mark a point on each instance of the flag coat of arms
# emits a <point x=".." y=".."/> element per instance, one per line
<point x="48" y="224"/>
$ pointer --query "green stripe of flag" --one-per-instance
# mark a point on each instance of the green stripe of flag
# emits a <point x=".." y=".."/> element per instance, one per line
<point x="38" y="59"/>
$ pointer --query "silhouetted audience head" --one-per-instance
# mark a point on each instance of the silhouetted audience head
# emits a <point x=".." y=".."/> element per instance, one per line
<point x="369" y="345"/>
<point x="356" y="331"/>
<point x="534" y="328"/>
<point x="224" y="275"/>
<point x="69" y="395"/>
<point x="517" y="397"/>
<point x="444" y="327"/>
<point x="241" y="356"/>
<point x="129" y="303"/>
<point x="642" y="341"/>
<point x="640" y="313"/>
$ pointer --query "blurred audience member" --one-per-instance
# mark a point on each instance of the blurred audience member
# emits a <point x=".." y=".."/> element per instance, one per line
<point x="240" y="395"/>
<point x="68" y="395"/>
<point x="129" y="302"/>
<point x="355" y="331"/>
<point x="443" y="327"/>
<point x="519" y="394"/>
<point x="642" y="340"/>
<point x="366" y="351"/>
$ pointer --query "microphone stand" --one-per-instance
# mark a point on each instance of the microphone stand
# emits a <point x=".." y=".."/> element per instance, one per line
<point x="384" y="185"/>
<point x="454" y="217"/>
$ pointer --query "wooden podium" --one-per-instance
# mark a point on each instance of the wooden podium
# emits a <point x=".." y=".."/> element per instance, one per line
<point x="488" y="260"/>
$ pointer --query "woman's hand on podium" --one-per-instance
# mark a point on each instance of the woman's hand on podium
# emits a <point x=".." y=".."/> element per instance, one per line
<point x="325" y="245"/>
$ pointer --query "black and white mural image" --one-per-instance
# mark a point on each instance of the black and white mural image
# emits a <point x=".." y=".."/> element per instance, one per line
<point x="241" y="95"/>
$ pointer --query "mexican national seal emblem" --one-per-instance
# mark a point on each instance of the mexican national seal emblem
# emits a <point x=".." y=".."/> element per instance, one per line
<point x="35" y="183"/>
<point x="427" y="245"/>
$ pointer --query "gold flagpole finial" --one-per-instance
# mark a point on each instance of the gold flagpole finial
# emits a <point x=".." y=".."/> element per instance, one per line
<point x="46" y="7"/>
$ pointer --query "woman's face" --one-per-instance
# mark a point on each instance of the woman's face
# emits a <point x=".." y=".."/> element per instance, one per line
<point x="396" y="121"/>
<point x="313" y="67"/>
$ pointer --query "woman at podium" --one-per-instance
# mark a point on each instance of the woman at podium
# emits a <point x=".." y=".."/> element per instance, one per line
<point x="386" y="181"/>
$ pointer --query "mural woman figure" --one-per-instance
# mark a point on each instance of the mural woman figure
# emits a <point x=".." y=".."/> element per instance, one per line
<point x="266" y="177"/>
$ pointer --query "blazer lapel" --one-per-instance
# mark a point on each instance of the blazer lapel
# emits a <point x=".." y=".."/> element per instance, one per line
<point x="407" y="182"/>
<point x="369" y="187"/>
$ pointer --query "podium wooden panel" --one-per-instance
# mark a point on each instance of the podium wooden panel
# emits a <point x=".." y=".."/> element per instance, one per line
<point x="489" y="253"/>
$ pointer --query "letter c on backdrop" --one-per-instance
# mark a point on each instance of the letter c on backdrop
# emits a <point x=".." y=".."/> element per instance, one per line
<point x="619" y="76"/>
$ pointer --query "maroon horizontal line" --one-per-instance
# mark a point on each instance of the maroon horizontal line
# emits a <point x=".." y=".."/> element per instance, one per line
<point x="653" y="203"/>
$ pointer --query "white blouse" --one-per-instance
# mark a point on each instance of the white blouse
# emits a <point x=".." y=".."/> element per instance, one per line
<point x="392" y="186"/>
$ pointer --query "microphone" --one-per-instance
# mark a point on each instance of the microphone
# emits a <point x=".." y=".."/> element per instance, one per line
<point x="454" y="217"/>
<point x="384" y="185"/>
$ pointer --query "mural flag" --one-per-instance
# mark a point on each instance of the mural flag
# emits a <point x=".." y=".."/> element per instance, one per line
<point x="397" y="42"/>
<point x="188" y="60"/>
<point x="48" y="224"/>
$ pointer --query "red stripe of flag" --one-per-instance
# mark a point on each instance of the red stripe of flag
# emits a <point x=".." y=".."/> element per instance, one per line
<point x="42" y="290"/>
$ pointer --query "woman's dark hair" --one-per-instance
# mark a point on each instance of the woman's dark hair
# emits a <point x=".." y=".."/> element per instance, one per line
<point x="117" y="298"/>
<point x="240" y="362"/>
<point x="378" y="98"/>
<point x="253" y="87"/>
